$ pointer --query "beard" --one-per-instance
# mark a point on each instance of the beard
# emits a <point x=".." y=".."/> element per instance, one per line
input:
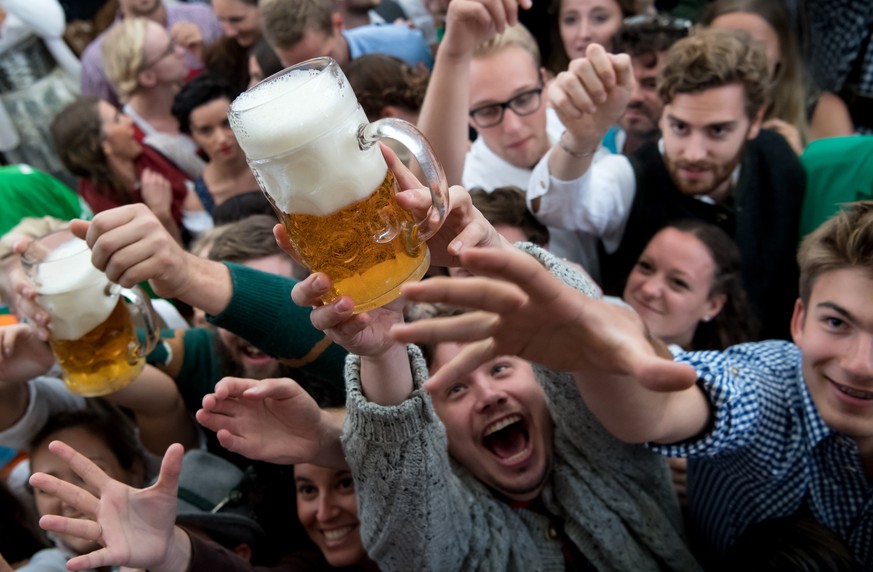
<point x="713" y="174"/>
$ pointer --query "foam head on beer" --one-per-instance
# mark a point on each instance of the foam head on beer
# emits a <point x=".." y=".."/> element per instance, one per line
<point x="299" y="133"/>
<point x="72" y="290"/>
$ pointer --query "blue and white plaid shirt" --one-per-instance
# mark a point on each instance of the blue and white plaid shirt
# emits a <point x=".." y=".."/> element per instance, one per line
<point x="769" y="453"/>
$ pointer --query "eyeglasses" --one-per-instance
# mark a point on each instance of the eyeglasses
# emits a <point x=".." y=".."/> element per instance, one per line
<point x="658" y="22"/>
<point x="169" y="50"/>
<point x="522" y="104"/>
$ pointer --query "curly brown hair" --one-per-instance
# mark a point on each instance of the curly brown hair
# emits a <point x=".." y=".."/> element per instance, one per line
<point x="716" y="58"/>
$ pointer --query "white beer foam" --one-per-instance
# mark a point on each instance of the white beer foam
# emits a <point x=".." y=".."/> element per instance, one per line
<point x="299" y="132"/>
<point x="72" y="290"/>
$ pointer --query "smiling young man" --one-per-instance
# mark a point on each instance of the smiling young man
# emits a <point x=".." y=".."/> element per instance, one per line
<point x="714" y="162"/>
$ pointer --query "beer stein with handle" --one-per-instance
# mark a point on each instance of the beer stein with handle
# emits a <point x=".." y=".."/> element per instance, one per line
<point x="92" y="331"/>
<point x="315" y="156"/>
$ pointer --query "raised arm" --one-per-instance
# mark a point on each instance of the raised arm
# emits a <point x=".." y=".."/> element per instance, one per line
<point x="589" y="98"/>
<point x="443" y="118"/>
<point x="626" y="379"/>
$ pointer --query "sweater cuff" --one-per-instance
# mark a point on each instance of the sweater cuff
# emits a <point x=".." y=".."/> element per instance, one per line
<point x="387" y="424"/>
<point x="261" y="312"/>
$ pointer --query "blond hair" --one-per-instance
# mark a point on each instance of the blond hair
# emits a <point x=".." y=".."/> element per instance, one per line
<point x="716" y="58"/>
<point x="843" y="241"/>
<point x="285" y="22"/>
<point x="124" y="55"/>
<point x="517" y="35"/>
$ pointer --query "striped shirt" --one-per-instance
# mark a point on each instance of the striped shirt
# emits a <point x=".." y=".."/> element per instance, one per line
<point x="768" y="452"/>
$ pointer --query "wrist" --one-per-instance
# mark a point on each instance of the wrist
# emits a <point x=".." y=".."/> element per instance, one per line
<point x="579" y="148"/>
<point x="178" y="555"/>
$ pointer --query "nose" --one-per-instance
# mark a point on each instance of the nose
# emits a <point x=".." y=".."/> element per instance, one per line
<point x="229" y="31"/>
<point x="858" y="361"/>
<point x="488" y="394"/>
<point x="695" y="148"/>
<point x="326" y="507"/>
<point x="511" y="121"/>
<point x="585" y="30"/>
<point x="650" y="288"/>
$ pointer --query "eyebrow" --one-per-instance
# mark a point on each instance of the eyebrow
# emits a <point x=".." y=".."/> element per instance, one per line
<point x="838" y="309"/>
<point x="732" y="123"/>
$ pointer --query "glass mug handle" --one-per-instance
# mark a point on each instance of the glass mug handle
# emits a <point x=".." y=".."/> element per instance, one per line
<point x="138" y="301"/>
<point x="410" y="137"/>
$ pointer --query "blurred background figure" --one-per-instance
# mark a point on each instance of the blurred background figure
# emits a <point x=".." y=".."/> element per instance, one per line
<point x="39" y="75"/>
<point x="578" y="23"/>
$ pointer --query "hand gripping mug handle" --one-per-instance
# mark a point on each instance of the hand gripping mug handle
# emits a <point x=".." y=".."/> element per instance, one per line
<point x="411" y="138"/>
<point x="138" y="301"/>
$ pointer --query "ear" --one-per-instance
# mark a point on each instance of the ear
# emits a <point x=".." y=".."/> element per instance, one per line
<point x="146" y="78"/>
<point x="716" y="304"/>
<point x="244" y="551"/>
<point x="755" y="127"/>
<point x="337" y="22"/>
<point x="797" y="320"/>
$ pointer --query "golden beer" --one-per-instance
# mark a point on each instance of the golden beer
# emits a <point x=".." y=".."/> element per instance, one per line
<point x="92" y="332"/>
<point x="314" y="154"/>
<point x="105" y="359"/>
<point x="368" y="248"/>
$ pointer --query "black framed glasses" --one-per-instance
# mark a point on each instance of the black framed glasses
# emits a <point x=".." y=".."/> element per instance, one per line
<point x="522" y="104"/>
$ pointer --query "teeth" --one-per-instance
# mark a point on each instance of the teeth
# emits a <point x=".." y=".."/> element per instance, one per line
<point x="498" y="425"/>
<point x="855" y="392"/>
<point x="338" y="533"/>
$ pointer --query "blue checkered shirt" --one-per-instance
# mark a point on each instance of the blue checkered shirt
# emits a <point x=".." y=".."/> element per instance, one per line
<point x="768" y="452"/>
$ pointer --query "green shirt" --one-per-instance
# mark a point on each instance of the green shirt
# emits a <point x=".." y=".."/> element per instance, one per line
<point x="26" y="192"/>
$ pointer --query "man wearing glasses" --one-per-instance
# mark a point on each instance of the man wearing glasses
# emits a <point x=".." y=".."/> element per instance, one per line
<point x="492" y="82"/>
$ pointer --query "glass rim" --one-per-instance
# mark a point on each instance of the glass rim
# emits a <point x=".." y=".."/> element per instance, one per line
<point x="320" y="64"/>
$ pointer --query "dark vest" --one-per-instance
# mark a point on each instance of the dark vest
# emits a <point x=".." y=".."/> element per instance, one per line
<point x="762" y="215"/>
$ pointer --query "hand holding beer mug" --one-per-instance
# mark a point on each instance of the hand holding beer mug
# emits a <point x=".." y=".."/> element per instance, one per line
<point x="92" y="333"/>
<point x="314" y="154"/>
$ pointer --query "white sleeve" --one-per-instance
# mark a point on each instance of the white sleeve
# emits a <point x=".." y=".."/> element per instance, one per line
<point x="597" y="203"/>
<point x="47" y="396"/>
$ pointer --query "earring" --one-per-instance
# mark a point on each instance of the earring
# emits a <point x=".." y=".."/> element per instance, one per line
<point x="707" y="318"/>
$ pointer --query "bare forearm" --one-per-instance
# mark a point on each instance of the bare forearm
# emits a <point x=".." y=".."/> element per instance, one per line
<point x="331" y="450"/>
<point x="572" y="156"/>
<point x="13" y="403"/>
<point x="443" y="116"/>
<point x="387" y="379"/>
<point x="209" y="287"/>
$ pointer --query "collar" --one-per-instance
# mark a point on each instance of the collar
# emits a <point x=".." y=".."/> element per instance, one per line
<point x="815" y="430"/>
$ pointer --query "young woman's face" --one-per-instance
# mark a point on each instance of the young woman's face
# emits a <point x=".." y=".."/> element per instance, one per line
<point x="118" y="133"/>
<point x="93" y="448"/>
<point x="239" y="20"/>
<point x="585" y="22"/>
<point x="211" y="130"/>
<point x="670" y="286"/>
<point x="327" y="509"/>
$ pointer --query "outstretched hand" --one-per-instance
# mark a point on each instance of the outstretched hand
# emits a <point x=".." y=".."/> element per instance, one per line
<point x="272" y="420"/>
<point x="523" y="310"/>
<point x="135" y="526"/>
<point x="23" y="354"/>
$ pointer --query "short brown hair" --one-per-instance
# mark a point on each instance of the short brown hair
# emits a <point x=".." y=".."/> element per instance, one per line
<point x="844" y="241"/>
<point x="716" y="58"/>
<point x="247" y="239"/>
<point x="379" y="81"/>
<point x="506" y="205"/>
<point x="285" y="22"/>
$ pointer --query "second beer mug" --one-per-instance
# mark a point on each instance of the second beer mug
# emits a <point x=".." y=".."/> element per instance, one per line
<point x="315" y="156"/>
<point x="92" y="332"/>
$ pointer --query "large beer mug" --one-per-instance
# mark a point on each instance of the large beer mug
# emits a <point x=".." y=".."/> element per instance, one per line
<point x="92" y="331"/>
<point x="315" y="156"/>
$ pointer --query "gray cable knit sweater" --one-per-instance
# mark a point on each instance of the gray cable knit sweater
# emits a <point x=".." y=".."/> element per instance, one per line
<point x="421" y="511"/>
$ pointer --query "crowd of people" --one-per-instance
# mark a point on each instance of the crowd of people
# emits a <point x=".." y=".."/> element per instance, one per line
<point x="644" y="341"/>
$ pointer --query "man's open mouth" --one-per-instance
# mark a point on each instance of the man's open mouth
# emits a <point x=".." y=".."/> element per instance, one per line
<point x="507" y="438"/>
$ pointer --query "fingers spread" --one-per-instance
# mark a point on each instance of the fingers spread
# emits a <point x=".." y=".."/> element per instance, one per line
<point x="79" y="527"/>
<point x="475" y="292"/>
<point x="468" y="359"/>
<point x="69" y="493"/>
<point x="81" y="465"/>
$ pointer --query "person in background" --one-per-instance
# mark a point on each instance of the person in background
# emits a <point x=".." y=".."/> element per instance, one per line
<point x="191" y="26"/>
<point x="27" y="192"/>
<point x="97" y="143"/>
<point x="146" y="68"/>
<point x="797" y="109"/>
<point x="39" y="75"/>
<point x="576" y="24"/>
<point x="200" y="108"/>
<point x="263" y="62"/>
<point x="387" y="86"/>
<point x="228" y="56"/>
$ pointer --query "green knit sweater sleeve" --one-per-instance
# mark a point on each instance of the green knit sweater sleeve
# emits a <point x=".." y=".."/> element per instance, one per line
<point x="262" y="313"/>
